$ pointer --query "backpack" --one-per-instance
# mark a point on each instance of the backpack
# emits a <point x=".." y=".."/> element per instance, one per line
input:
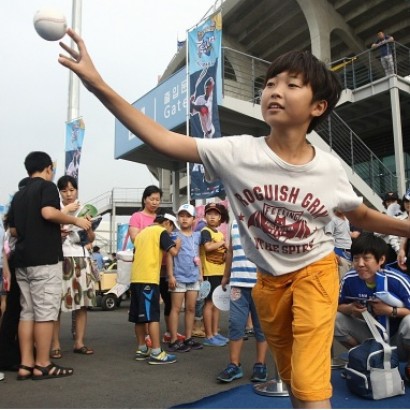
<point x="372" y="370"/>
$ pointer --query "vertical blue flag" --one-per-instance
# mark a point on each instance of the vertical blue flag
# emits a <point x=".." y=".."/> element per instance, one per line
<point x="204" y="54"/>
<point x="75" y="130"/>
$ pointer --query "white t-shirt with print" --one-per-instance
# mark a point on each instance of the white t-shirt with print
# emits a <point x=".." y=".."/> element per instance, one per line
<point x="281" y="209"/>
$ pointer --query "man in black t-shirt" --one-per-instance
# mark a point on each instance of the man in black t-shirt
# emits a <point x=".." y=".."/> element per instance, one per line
<point x="35" y="219"/>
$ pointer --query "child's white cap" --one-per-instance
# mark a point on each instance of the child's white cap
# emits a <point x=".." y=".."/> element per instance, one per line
<point x="172" y="219"/>
<point x="187" y="208"/>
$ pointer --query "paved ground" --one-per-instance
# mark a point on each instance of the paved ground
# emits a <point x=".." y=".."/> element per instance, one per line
<point x="112" y="379"/>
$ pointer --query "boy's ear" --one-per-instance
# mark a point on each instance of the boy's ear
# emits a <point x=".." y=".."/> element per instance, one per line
<point x="50" y="172"/>
<point x="319" y="107"/>
<point x="382" y="260"/>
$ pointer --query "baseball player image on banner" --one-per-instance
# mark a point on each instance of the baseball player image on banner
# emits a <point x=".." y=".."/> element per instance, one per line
<point x="204" y="50"/>
<point x="75" y="130"/>
<point x="123" y="239"/>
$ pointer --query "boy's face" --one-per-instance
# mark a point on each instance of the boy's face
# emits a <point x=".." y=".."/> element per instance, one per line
<point x="287" y="102"/>
<point x="366" y="265"/>
<point x="185" y="220"/>
<point x="213" y="218"/>
<point x="169" y="226"/>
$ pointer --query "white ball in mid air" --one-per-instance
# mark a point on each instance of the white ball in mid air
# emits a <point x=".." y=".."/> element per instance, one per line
<point x="50" y="24"/>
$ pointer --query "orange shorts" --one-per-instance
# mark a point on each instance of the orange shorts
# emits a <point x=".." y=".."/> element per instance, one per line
<point x="297" y="313"/>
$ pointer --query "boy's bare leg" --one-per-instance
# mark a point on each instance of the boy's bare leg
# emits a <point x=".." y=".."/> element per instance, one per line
<point x="154" y="333"/>
<point x="43" y="334"/>
<point x="55" y="342"/>
<point x="174" y="315"/>
<point x="215" y="320"/>
<point x="139" y="329"/>
<point x="25" y="332"/>
<point x="235" y="348"/>
<point x="208" y="318"/>
<point x="190" y="300"/>
<point x="261" y="349"/>
<point x="302" y="404"/>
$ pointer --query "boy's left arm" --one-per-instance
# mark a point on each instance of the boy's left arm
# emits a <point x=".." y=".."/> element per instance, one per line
<point x="6" y="272"/>
<point x="375" y="221"/>
<point x="380" y="308"/>
<point x="402" y="256"/>
<point x="170" y="271"/>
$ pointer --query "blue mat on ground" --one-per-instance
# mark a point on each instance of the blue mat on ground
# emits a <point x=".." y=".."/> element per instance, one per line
<point x="243" y="397"/>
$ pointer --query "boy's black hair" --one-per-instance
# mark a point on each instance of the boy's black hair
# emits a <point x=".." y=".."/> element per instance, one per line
<point x="37" y="161"/>
<point x="165" y="210"/>
<point x="160" y="218"/>
<point x="369" y="243"/>
<point x="390" y="196"/>
<point x="325" y="84"/>
<point x="63" y="182"/>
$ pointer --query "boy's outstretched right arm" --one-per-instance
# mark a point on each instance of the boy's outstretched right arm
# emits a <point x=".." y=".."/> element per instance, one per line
<point x="55" y="215"/>
<point x="169" y="143"/>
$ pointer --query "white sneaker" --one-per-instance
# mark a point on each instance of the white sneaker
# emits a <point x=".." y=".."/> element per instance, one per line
<point x="1" y="376"/>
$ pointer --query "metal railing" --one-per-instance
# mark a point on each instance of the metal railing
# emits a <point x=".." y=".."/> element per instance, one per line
<point x="364" y="162"/>
<point x="366" y="67"/>
<point x="243" y="77"/>
<point x="124" y="195"/>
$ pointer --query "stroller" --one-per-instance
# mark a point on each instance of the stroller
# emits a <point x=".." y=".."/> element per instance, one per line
<point x="114" y="287"/>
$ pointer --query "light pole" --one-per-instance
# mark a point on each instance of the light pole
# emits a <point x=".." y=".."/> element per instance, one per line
<point x="73" y="110"/>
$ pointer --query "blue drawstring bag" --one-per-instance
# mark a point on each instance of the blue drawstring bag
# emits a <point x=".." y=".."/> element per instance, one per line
<point x="372" y="370"/>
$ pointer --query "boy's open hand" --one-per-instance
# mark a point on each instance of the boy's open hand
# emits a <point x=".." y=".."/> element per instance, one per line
<point x="80" y="62"/>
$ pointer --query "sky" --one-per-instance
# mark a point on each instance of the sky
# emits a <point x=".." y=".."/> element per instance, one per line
<point x="131" y="43"/>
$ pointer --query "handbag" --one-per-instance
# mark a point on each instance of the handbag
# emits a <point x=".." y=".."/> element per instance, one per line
<point x="372" y="370"/>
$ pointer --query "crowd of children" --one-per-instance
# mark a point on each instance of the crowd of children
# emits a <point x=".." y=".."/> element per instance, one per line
<point x="190" y="258"/>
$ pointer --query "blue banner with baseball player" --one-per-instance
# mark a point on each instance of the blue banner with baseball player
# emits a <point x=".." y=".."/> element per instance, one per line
<point x="75" y="131"/>
<point x="204" y="55"/>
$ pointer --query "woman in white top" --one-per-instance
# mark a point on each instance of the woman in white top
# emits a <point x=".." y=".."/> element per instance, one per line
<point x="78" y="291"/>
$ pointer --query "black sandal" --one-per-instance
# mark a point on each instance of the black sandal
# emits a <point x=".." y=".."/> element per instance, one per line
<point x="84" y="350"/>
<point x="26" y="376"/>
<point x="52" y="371"/>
